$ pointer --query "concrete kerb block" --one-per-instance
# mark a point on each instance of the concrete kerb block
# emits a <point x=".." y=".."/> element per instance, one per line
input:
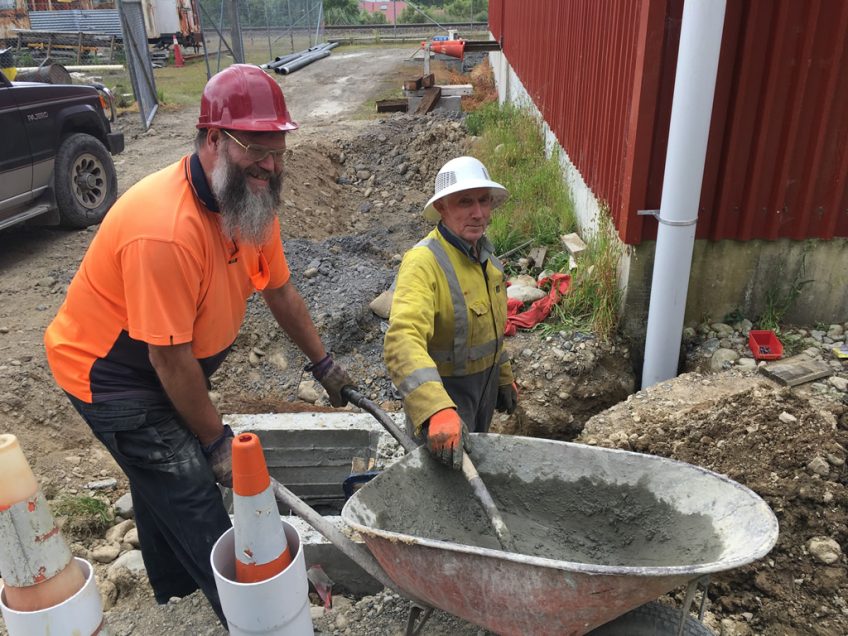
<point x="309" y="441"/>
<point x="346" y="575"/>
<point x="451" y="104"/>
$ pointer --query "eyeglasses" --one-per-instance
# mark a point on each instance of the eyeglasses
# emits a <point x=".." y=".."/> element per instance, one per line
<point x="255" y="153"/>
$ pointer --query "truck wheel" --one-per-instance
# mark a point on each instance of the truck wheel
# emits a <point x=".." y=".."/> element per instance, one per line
<point x="84" y="180"/>
<point x="652" y="619"/>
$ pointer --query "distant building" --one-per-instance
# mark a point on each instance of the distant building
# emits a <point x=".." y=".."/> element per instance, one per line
<point x="388" y="8"/>
<point x="13" y="15"/>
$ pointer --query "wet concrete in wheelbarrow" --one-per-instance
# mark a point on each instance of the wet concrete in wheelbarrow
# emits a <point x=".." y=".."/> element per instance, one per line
<point x="583" y="521"/>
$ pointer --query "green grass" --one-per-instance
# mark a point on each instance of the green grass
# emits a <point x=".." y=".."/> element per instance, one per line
<point x="84" y="516"/>
<point x="539" y="206"/>
<point x="540" y="209"/>
<point x="593" y="302"/>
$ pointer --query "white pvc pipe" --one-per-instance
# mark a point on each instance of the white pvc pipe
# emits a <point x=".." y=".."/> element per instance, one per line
<point x="80" y="615"/>
<point x="691" y="111"/>
<point x="278" y="606"/>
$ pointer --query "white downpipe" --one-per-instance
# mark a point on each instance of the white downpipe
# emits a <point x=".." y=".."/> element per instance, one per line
<point x="278" y="606"/>
<point x="691" y="111"/>
<point x="80" y="615"/>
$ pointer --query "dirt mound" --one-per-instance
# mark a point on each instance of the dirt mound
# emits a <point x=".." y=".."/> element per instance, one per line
<point x="564" y="380"/>
<point x="783" y="445"/>
<point x="352" y="208"/>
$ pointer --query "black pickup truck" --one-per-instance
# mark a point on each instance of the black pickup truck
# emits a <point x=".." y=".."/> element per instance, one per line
<point x="56" y="147"/>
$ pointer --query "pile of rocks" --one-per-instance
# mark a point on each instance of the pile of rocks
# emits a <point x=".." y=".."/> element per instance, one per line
<point x="718" y="346"/>
<point x="394" y="163"/>
<point x="383" y="613"/>
<point x="117" y="561"/>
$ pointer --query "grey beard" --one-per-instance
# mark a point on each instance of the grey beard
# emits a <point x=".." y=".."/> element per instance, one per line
<point x="244" y="214"/>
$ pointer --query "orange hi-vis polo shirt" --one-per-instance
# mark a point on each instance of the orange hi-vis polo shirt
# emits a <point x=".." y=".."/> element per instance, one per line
<point x="159" y="271"/>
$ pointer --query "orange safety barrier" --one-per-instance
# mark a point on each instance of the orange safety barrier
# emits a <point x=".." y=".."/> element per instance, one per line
<point x="260" y="541"/>
<point x="452" y="48"/>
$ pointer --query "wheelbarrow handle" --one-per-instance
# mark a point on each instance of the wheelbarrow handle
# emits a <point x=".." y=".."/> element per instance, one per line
<point x="357" y="399"/>
<point x="359" y="555"/>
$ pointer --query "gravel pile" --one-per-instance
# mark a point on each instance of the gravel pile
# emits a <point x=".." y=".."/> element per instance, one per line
<point x="718" y="346"/>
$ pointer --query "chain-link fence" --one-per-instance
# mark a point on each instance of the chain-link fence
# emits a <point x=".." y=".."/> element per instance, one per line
<point x="264" y="29"/>
<point x="268" y="29"/>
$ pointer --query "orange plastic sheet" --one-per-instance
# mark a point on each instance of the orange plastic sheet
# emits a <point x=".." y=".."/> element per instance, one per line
<point x="540" y="309"/>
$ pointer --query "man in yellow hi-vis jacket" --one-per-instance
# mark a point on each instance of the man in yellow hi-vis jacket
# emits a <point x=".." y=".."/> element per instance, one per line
<point x="445" y="345"/>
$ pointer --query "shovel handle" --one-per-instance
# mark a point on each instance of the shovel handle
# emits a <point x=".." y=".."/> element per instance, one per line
<point x="357" y="399"/>
<point x="468" y="469"/>
<point x="487" y="503"/>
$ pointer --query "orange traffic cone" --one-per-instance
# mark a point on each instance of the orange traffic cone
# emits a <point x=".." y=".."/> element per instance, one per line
<point x="260" y="541"/>
<point x="451" y="48"/>
<point x="38" y="568"/>
<point x="178" y="54"/>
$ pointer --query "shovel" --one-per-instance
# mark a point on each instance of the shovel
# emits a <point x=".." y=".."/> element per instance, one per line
<point x="468" y="470"/>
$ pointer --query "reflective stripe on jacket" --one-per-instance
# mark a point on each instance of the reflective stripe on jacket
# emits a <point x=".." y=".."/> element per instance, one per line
<point x="447" y="320"/>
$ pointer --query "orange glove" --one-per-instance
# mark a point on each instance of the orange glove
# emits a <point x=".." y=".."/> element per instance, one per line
<point x="445" y="437"/>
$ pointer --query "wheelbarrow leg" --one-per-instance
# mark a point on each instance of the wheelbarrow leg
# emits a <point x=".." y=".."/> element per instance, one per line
<point x="413" y="629"/>
<point x="691" y="589"/>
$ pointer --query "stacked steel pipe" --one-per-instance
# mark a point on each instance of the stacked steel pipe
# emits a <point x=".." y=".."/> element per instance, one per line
<point x="283" y="65"/>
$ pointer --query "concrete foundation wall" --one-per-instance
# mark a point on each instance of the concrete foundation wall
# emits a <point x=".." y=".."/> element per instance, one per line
<point x="750" y="277"/>
<point x="726" y="275"/>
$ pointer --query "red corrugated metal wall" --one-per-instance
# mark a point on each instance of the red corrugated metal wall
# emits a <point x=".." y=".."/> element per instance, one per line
<point x="602" y="74"/>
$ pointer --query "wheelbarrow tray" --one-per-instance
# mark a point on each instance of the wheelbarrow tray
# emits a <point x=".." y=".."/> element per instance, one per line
<point x="599" y="532"/>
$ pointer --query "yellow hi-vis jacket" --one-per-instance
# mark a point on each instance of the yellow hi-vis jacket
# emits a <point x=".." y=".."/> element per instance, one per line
<point x="447" y="320"/>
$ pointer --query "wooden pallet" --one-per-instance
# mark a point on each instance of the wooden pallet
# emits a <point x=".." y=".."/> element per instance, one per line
<point x="796" y="370"/>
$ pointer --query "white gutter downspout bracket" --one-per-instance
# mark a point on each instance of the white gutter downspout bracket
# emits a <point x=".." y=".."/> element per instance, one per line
<point x="691" y="112"/>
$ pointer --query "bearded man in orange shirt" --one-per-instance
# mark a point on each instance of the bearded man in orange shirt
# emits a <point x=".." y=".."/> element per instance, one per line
<point x="158" y="301"/>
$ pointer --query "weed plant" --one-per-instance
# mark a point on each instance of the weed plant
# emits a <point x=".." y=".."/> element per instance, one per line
<point x="540" y="210"/>
<point x="781" y="298"/>
<point x="84" y="516"/>
<point x="539" y="206"/>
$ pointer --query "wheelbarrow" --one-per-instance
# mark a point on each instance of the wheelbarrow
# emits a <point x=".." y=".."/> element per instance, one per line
<point x="598" y="532"/>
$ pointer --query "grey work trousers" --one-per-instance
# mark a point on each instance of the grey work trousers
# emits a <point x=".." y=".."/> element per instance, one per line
<point x="475" y="397"/>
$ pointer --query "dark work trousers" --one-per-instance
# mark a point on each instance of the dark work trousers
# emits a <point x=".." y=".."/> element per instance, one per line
<point x="178" y="508"/>
<point x="475" y="397"/>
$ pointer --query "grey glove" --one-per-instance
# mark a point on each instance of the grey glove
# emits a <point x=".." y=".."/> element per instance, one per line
<point x="219" y="455"/>
<point x="332" y="377"/>
<point x="507" y="399"/>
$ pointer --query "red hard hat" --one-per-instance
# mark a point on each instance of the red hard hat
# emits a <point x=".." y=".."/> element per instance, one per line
<point x="244" y="97"/>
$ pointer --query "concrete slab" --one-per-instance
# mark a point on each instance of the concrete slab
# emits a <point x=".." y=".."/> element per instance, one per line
<point x="452" y="104"/>
<point x="312" y="453"/>
<point x="346" y="575"/>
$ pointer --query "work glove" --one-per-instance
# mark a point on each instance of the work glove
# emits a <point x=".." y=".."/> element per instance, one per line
<point x="447" y="437"/>
<point x="507" y="398"/>
<point x="219" y="454"/>
<point x="332" y="377"/>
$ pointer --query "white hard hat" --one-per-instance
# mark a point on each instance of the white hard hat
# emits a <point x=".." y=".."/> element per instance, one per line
<point x="463" y="173"/>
